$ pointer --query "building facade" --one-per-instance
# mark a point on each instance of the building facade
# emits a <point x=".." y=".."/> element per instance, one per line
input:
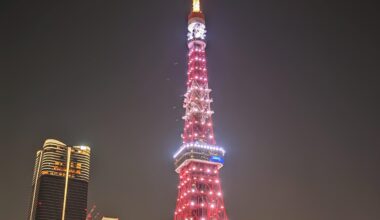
<point x="60" y="182"/>
<point x="199" y="159"/>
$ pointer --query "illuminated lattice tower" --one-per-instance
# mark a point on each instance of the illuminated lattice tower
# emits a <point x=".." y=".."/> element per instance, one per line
<point x="198" y="160"/>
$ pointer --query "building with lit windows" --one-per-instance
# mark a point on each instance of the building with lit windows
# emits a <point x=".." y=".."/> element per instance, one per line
<point x="60" y="182"/>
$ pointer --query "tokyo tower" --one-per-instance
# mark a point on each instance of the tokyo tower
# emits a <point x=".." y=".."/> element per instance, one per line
<point x="199" y="159"/>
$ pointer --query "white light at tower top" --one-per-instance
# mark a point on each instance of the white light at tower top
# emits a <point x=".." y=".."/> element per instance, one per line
<point x="197" y="30"/>
<point x="196" y="6"/>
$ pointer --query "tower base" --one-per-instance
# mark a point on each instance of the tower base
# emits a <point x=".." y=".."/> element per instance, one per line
<point x="200" y="194"/>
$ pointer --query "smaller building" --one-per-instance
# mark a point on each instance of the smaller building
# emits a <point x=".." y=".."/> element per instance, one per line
<point x="107" y="218"/>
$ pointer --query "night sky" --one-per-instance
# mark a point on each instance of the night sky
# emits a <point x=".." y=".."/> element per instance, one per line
<point x="295" y="89"/>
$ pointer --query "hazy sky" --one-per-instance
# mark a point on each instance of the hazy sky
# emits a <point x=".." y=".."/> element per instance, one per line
<point x="295" y="89"/>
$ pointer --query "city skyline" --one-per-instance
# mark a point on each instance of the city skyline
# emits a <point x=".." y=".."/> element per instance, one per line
<point x="295" y="87"/>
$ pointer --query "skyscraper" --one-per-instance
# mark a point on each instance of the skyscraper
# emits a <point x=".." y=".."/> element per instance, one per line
<point x="199" y="159"/>
<point x="60" y="182"/>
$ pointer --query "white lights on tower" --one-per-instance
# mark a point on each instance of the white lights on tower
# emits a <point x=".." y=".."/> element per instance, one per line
<point x="201" y="146"/>
<point x="197" y="31"/>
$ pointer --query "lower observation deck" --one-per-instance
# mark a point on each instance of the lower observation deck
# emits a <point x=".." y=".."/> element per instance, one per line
<point x="198" y="152"/>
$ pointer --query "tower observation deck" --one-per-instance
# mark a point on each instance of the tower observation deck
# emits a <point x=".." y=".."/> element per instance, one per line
<point x="198" y="160"/>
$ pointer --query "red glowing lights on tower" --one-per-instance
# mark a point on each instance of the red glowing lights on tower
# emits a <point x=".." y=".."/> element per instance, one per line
<point x="199" y="159"/>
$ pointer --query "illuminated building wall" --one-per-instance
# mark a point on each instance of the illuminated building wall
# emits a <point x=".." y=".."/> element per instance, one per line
<point x="107" y="218"/>
<point x="60" y="182"/>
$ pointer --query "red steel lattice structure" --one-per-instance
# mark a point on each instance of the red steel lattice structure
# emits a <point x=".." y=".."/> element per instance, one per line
<point x="198" y="160"/>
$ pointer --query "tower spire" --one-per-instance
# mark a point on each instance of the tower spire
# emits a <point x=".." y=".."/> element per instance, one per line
<point x="196" y="6"/>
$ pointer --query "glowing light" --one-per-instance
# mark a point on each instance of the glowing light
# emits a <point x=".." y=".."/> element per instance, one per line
<point x="198" y="145"/>
<point x="196" y="6"/>
<point x="197" y="30"/>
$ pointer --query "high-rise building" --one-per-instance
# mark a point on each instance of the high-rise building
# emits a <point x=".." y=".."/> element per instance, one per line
<point x="199" y="159"/>
<point x="60" y="182"/>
